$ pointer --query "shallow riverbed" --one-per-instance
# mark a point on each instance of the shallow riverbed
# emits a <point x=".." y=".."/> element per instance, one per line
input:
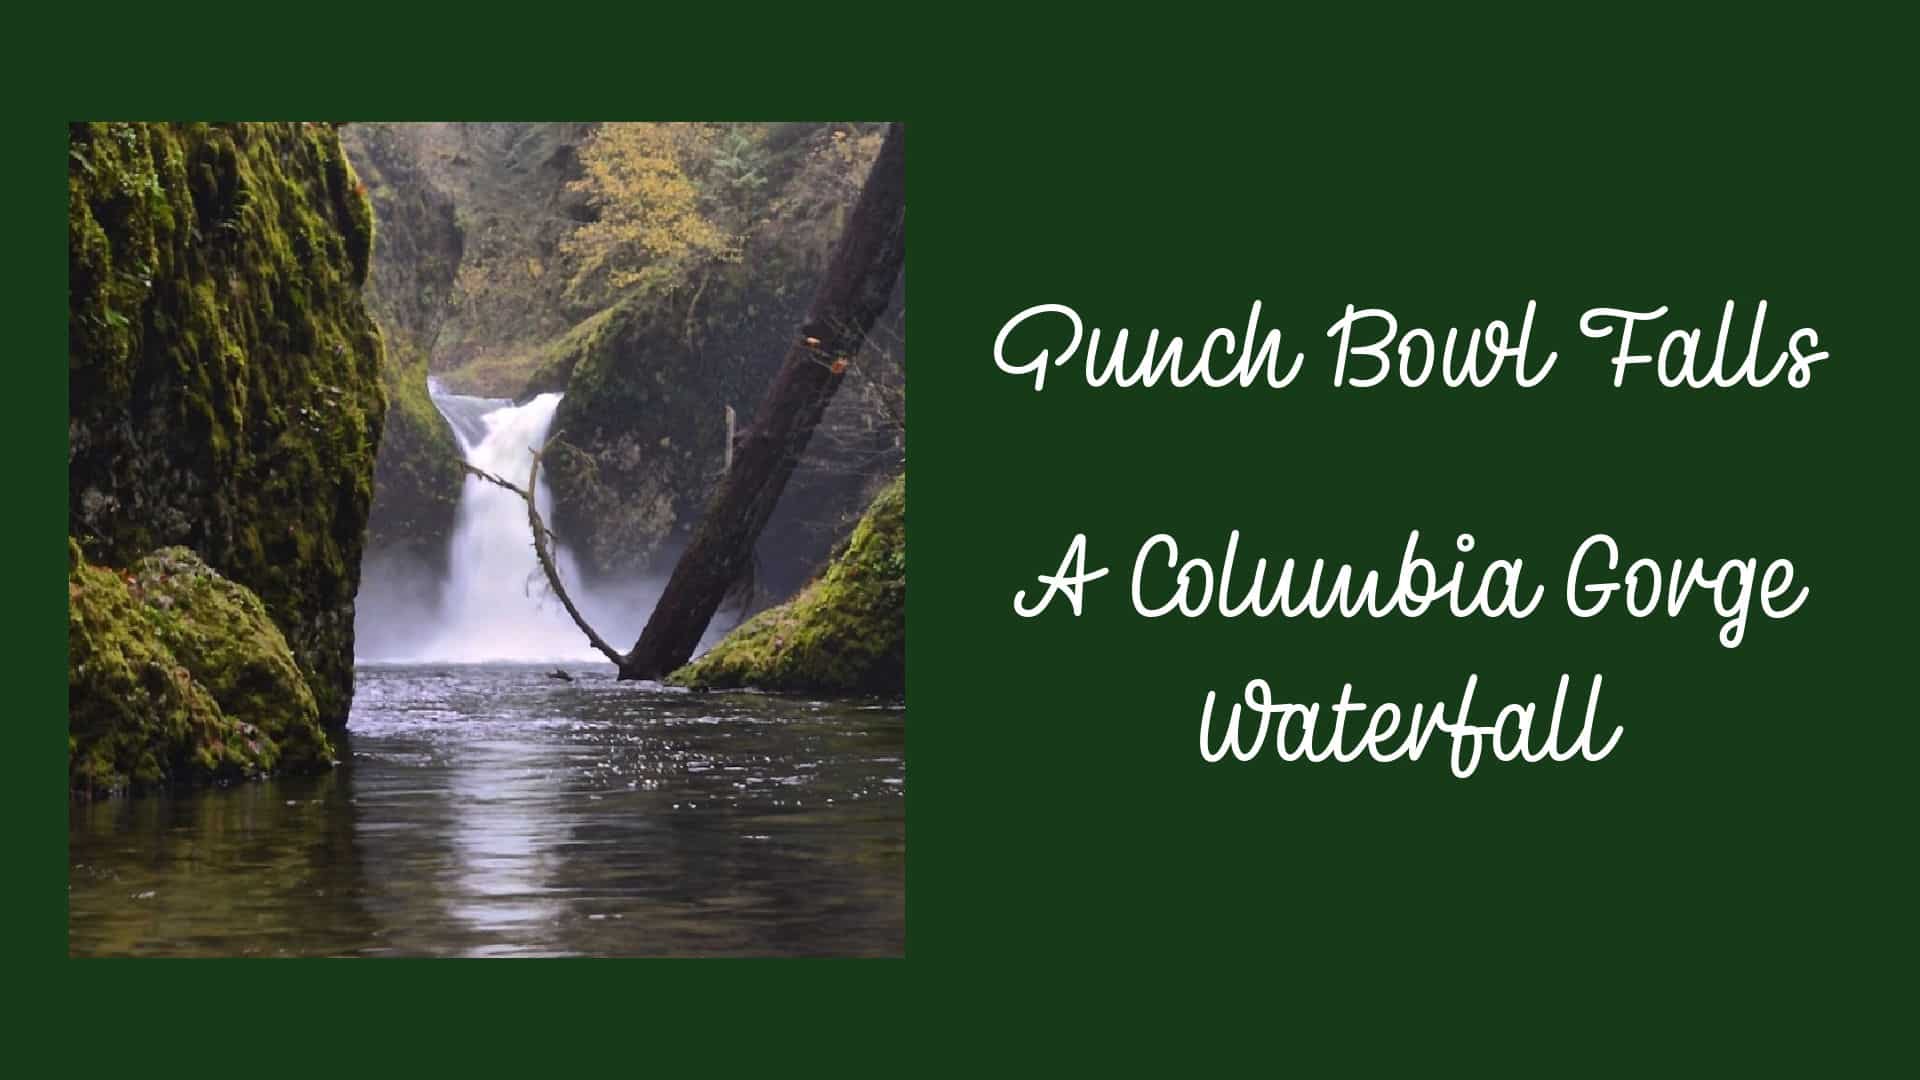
<point x="489" y="810"/>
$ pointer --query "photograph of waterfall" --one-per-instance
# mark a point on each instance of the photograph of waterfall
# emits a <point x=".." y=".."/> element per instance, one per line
<point x="487" y="539"/>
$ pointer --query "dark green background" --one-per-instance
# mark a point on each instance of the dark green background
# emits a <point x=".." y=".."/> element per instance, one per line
<point x="1731" y="886"/>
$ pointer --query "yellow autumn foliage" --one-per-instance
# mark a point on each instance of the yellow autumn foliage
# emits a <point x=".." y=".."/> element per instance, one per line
<point x="652" y="223"/>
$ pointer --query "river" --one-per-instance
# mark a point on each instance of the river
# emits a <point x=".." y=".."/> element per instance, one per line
<point x="486" y="809"/>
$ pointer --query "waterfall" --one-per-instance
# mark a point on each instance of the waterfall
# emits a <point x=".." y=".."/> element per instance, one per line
<point x="494" y="603"/>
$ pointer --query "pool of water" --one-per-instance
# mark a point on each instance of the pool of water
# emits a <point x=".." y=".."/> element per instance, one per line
<point x="488" y="810"/>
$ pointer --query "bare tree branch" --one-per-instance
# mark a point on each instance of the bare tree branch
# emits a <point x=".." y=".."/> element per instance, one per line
<point x="492" y="478"/>
<point x="542" y="547"/>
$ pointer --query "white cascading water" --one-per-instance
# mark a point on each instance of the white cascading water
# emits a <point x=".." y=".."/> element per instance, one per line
<point x="496" y="605"/>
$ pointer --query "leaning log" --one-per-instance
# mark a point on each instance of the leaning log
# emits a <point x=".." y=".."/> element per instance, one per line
<point x="858" y="284"/>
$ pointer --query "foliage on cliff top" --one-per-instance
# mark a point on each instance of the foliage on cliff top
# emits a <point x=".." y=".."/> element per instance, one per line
<point x="223" y="374"/>
<point x="560" y="222"/>
<point x="846" y="633"/>
<point x="673" y="202"/>
<point x="654" y="217"/>
<point x="703" y="326"/>
<point x="175" y="674"/>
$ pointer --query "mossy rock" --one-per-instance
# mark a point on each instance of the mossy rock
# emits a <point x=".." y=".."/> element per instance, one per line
<point x="178" y="675"/>
<point x="224" y="376"/>
<point x="417" y="476"/>
<point x="647" y="383"/>
<point x="646" y="411"/>
<point x="845" y="633"/>
<point x="416" y="255"/>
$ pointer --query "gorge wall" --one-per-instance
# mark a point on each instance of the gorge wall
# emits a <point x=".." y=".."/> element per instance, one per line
<point x="471" y="280"/>
<point x="417" y="250"/>
<point x="224" y="376"/>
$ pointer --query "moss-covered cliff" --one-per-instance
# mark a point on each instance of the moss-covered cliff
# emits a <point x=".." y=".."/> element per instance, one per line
<point x="175" y="674"/>
<point x="494" y="298"/>
<point x="417" y="476"/>
<point x="417" y="250"/>
<point x="845" y="633"/>
<point x="648" y="383"/>
<point x="646" y="404"/>
<point x="224" y="377"/>
<point x="470" y="281"/>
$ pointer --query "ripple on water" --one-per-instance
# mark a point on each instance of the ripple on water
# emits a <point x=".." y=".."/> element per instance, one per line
<point x="487" y="809"/>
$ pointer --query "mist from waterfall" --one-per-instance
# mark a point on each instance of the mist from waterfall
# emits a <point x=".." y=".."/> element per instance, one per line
<point x="494" y="603"/>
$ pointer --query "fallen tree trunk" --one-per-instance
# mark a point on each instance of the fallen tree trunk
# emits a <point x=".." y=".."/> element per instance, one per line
<point x="858" y="284"/>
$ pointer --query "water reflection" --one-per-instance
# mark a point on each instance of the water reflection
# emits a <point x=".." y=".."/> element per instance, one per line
<point x="491" y="811"/>
<point x="501" y="840"/>
<point x="210" y="874"/>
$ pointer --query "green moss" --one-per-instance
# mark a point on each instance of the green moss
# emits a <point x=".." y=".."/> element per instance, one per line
<point x="846" y="633"/>
<point x="646" y="395"/>
<point x="177" y="675"/>
<point x="538" y="369"/>
<point x="647" y="384"/>
<point x="417" y="478"/>
<point x="466" y="262"/>
<point x="417" y="248"/>
<point x="223" y="374"/>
